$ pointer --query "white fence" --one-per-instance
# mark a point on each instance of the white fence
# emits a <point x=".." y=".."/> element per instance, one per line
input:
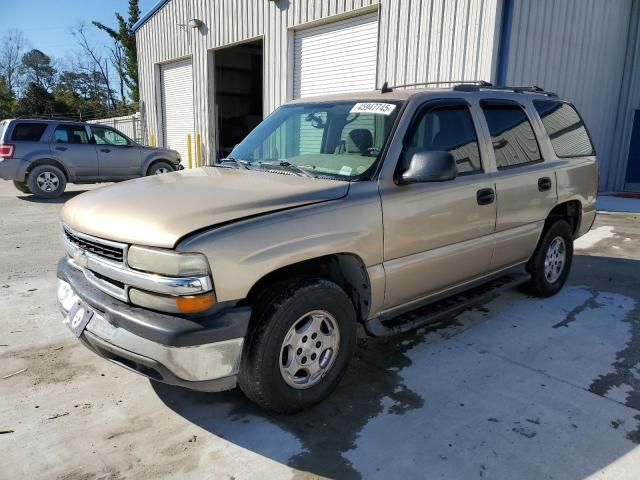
<point x="130" y="125"/>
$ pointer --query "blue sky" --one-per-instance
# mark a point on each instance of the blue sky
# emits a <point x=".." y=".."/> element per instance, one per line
<point x="46" y="23"/>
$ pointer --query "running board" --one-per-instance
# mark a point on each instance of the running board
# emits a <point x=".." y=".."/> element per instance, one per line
<point x="446" y="307"/>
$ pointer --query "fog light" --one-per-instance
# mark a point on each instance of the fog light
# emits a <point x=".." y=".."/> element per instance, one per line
<point x="66" y="297"/>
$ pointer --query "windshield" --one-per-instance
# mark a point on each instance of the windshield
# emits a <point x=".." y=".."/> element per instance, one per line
<point x="337" y="139"/>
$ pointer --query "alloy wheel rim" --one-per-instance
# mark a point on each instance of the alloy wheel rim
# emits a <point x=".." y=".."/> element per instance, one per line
<point x="161" y="170"/>
<point x="309" y="349"/>
<point x="48" y="181"/>
<point x="555" y="259"/>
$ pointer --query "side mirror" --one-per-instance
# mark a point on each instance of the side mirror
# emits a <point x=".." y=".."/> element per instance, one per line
<point x="429" y="166"/>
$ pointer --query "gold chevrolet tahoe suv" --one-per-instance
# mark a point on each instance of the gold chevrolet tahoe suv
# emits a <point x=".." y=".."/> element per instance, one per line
<point x="334" y="211"/>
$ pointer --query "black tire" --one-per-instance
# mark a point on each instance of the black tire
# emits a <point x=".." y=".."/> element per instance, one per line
<point x="46" y="181"/>
<point x="21" y="186"/>
<point x="160" y="168"/>
<point x="275" y="313"/>
<point x="541" y="285"/>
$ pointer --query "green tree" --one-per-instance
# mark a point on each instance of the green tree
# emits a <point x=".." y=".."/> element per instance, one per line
<point x="37" y="68"/>
<point x="7" y="99"/>
<point x="36" y="100"/>
<point x="125" y="36"/>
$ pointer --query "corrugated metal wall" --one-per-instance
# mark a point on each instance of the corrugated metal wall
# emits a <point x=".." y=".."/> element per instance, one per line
<point x="614" y="179"/>
<point x="446" y="39"/>
<point x="432" y="40"/>
<point x="577" y="49"/>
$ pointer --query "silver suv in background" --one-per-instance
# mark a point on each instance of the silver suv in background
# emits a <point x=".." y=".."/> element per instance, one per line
<point x="41" y="155"/>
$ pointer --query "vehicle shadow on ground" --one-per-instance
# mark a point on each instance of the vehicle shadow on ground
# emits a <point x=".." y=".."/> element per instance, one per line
<point x="61" y="199"/>
<point x="515" y="385"/>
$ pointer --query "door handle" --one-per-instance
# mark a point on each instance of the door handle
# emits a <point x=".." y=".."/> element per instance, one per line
<point x="544" y="184"/>
<point x="62" y="149"/>
<point x="486" y="196"/>
<point x="105" y="150"/>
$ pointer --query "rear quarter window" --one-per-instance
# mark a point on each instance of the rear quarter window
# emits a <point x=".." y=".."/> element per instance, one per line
<point x="565" y="128"/>
<point x="28" y="132"/>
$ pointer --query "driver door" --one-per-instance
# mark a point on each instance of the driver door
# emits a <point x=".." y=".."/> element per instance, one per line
<point x="118" y="157"/>
<point x="438" y="234"/>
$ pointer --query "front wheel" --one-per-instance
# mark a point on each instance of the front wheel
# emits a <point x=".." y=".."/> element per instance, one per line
<point x="550" y="264"/>
<point x="159" y="168"/>
<point x="302" y="339"/>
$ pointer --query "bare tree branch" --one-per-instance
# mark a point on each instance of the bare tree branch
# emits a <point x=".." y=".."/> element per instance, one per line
<point x="12" y="47"/>
<point x="98" y="62"/>
<point x="118" y="62"/>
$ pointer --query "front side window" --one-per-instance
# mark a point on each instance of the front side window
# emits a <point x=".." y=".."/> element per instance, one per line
<point x="448" y="129"/>
<point x="514" y="142"/>
<point x="565" y="128"/>
<point x="336" y="139"/>
<point x="28" y="132"/>
<point x="106" y="136"/>
<point x="70" y="134"/>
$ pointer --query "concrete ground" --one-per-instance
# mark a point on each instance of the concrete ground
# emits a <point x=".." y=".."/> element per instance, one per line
<point x="517" y="388"/>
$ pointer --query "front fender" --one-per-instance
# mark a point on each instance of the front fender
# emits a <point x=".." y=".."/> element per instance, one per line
<point x="244" y="252"/>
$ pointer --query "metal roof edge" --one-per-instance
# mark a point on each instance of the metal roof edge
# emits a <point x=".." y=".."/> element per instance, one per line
<point x="136" y="26"/>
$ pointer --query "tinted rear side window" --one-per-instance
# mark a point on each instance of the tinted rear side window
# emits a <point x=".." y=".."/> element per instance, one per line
<point x="28" y="132"/>
<point x="565" y="128"/>
<point x="514" y="142"/>
<point x="70" y="134"/>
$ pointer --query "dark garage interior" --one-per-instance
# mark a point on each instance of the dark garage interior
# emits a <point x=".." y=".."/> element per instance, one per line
<point x="238" y="93"/>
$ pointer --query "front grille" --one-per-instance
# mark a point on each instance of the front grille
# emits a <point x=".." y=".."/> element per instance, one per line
<point x="100" y="249"/>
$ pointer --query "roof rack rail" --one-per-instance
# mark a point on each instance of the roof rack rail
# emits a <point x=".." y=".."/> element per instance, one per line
<point x="517" y="89"/>
<point x="386" y="88"/>
<point x="61" y="117"/>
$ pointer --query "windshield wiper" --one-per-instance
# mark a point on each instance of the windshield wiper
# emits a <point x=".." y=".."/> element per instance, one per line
<point x="301" y="170"/>
<point x="236" y="161"/>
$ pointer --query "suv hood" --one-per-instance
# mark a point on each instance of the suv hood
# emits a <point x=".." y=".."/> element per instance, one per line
<point x="159" y="210"/>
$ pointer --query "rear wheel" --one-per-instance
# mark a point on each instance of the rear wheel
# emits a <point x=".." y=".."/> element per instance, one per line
<point x="46" y="181"/>
<point x="551" y="262"/>
<point x="159" y="168"/>
<point x="21" y="186"/>
<point x="299" y="346"/>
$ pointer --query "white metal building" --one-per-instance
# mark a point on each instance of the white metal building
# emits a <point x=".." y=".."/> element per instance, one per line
<point x="211" y="69"/>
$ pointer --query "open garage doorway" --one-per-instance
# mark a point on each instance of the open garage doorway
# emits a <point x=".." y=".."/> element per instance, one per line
<point x="238" y="93"/>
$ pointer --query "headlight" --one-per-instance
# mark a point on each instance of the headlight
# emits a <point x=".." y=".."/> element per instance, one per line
<point x="167" y="262"/>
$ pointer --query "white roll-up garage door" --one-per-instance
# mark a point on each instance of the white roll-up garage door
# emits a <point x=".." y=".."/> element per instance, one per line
<point x="337" y="57"/>
<point x="177" y="105"/>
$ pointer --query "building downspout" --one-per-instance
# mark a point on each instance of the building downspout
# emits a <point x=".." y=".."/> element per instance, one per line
<point x="505" y="41"/>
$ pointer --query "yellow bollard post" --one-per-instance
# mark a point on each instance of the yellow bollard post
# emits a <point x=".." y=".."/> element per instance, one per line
<point x="189" y="150"/>
<point x="198" y="152"/>
<point x="152" y="140"/>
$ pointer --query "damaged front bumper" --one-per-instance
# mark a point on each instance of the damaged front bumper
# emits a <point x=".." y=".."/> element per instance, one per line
<point x="201" y="354"/>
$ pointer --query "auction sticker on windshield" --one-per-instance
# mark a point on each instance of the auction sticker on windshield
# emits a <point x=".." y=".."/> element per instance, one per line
<point x="379" y="108"/>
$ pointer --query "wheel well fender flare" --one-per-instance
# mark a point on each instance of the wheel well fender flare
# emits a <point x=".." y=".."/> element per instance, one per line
<point x="347" y="270"/>
<point x="571" y="211"/>
<point x="48" y="161"/>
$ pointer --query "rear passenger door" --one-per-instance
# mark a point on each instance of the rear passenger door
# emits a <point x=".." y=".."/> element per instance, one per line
<point x="70" y="144"/>
<point x="525" y="183"/>
<point x="438" y="234"/>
